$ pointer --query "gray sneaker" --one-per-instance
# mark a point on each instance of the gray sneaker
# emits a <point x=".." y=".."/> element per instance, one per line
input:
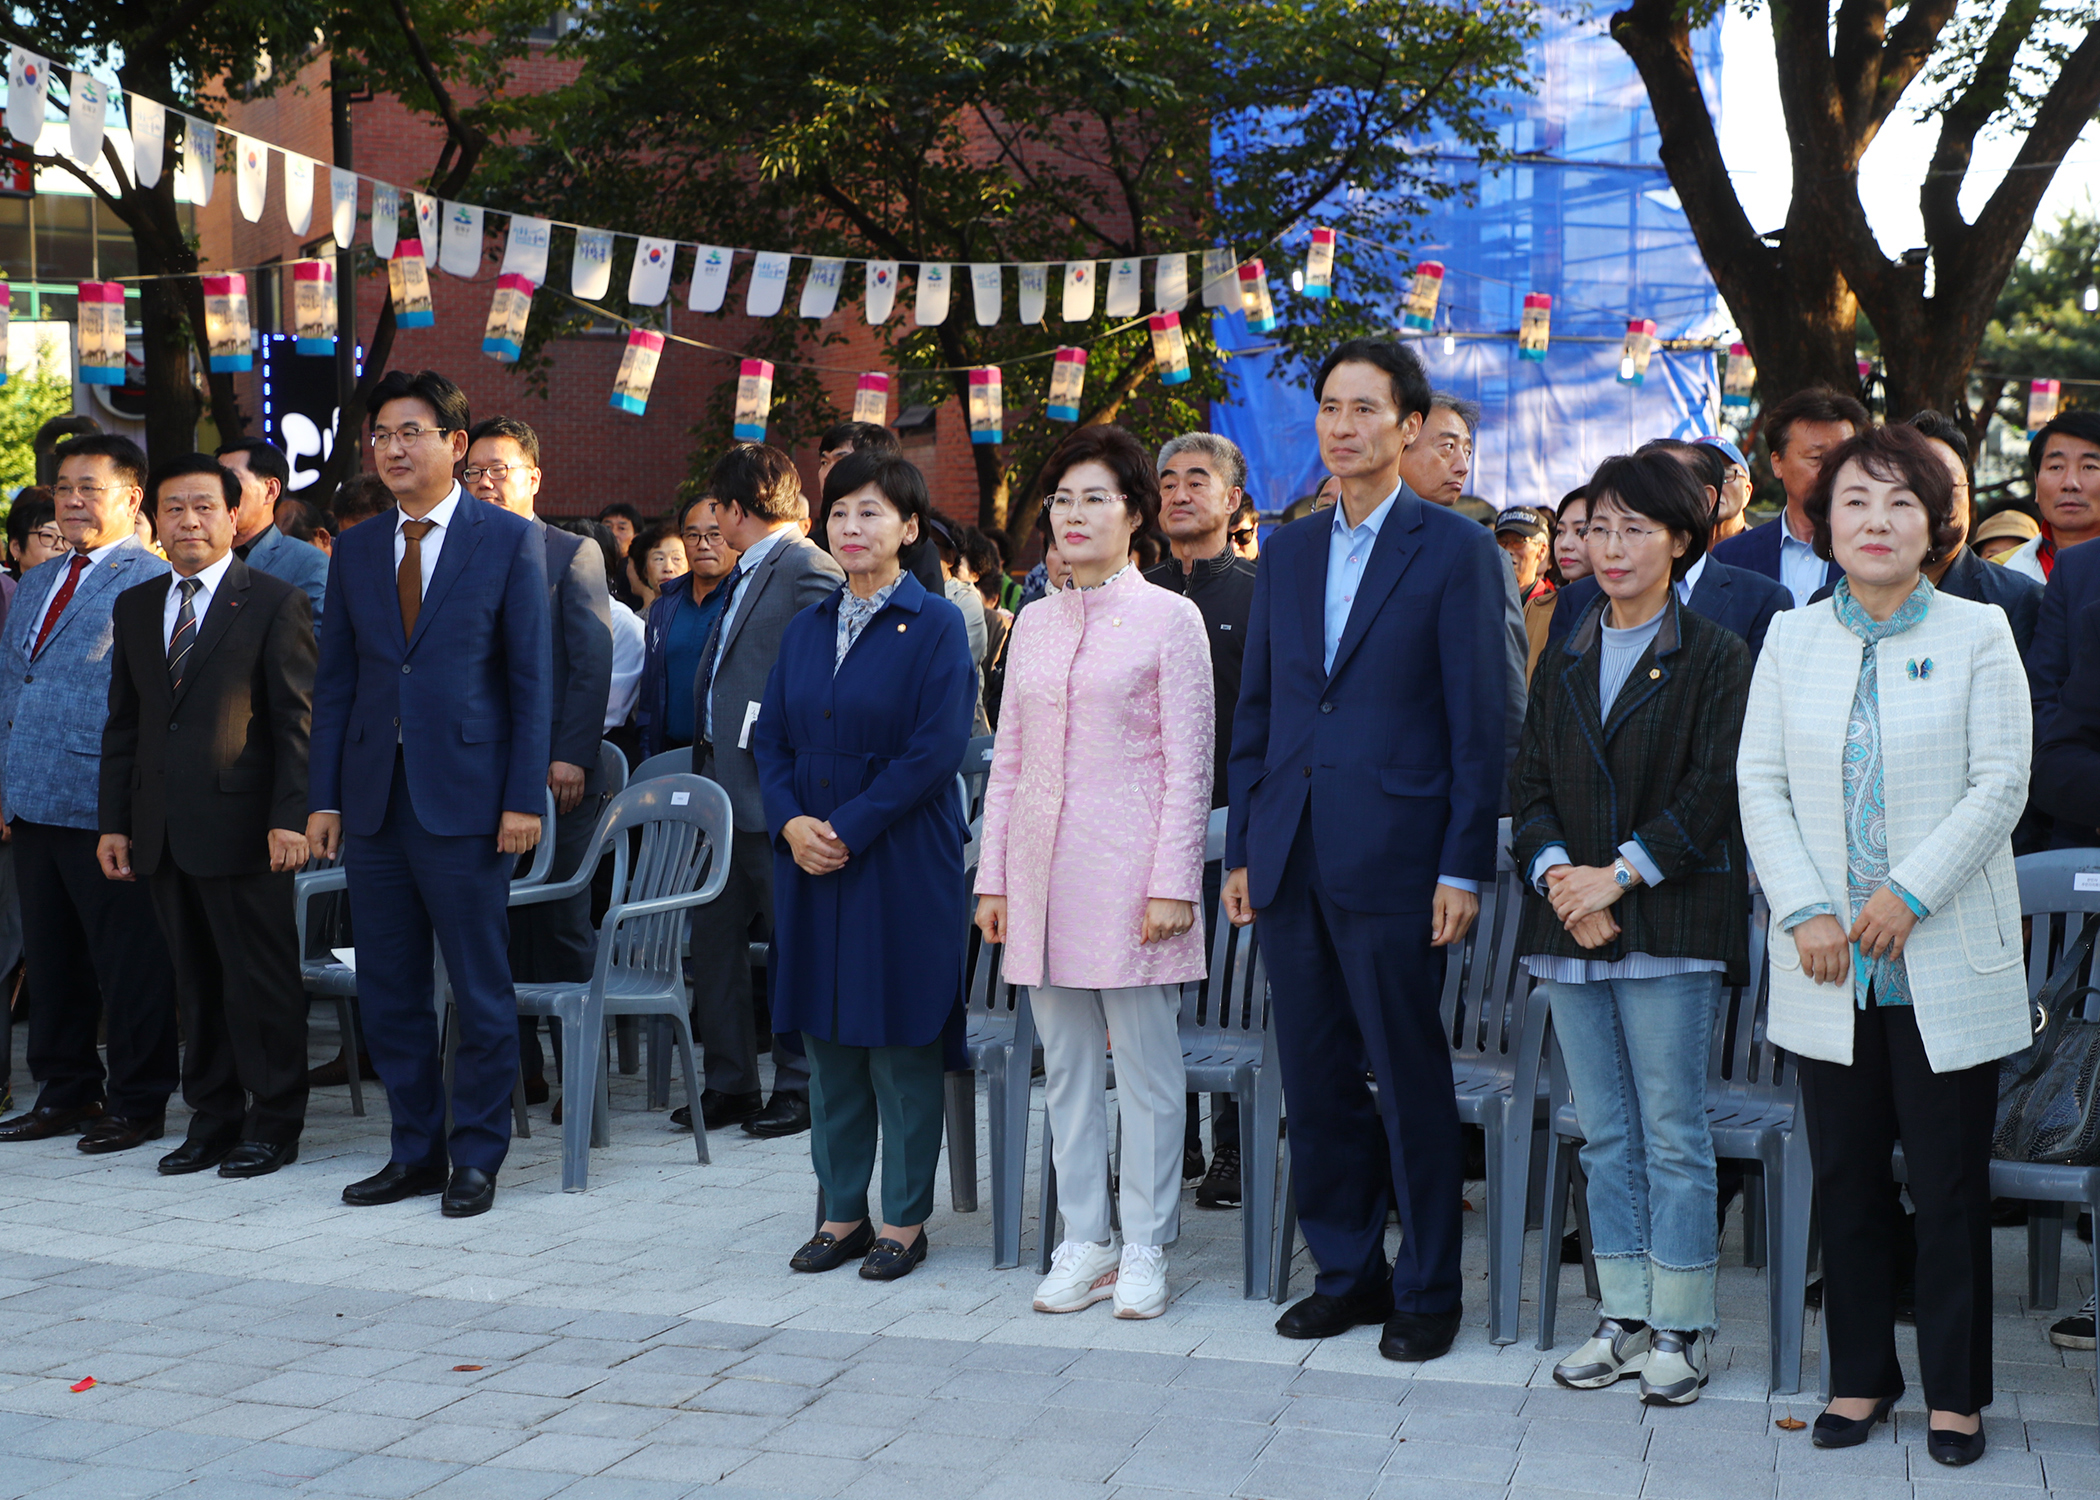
<point x="1613" y="1353"/>
<point x="1676" y="1369"/>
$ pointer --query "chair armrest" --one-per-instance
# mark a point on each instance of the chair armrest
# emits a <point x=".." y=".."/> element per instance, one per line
<point x="308" y="884"/>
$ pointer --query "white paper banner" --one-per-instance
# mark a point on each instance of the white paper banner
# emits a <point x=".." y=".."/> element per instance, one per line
<point x="525" y="251"/>
<point x="426" y="222"/>
<point x="649" y="280"/>
<point x="342" y="205"/>
<point x="769" y="284"/>
<point x="930" y="309"/>
<point x="987" y="287"/>
<point x="386" y="218"/>
<point x="459" y="253"/>
<point x="149" y="138"/>
<point x="882" y="290"/>
<point x="1221" y="279"/>
<point x="590" y="265"/>
<point x="820" y="289"/>
<point x="28" y="81"/>
<point x="711" y="265"/>
<point x="251" y="175"/>
<point x="298" y="192"/>
<point x="1035" y="292"/>
<point x="86" y="115"/>
<point x="1079" y="291"/>
<point x="1170" y="283"/>
<point x="200" y="158"/>
<point x="1125" y="295"/>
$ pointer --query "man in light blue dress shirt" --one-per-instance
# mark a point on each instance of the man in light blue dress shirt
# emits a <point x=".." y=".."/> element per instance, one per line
<point x="1800" y="430"/>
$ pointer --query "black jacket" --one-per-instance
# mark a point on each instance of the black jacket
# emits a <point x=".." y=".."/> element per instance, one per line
<point x="1661" y="768"/>
<point x="1222" y="587"/>
<point x="209" y="771"/>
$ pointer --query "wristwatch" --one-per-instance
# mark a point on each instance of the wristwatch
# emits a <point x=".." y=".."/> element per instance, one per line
<point x="1623" y="873"/>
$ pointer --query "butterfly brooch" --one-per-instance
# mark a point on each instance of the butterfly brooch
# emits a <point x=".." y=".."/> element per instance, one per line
<point x="1919" y="670"/>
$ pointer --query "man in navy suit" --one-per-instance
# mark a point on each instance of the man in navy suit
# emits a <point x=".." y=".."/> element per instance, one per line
<point x="2064" y="459"/>
<point x="1366" y="770"/>
<point x="1735" y="598"/>
<point x="1799" y="431"/>
<point x="429" y="771"/>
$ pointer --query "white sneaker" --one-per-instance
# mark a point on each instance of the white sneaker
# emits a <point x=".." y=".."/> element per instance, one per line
<point x="1141" y="1282"/>
<point x="1081" y="1274"/>
<point x="1676" y="1369"/>
<point x="1613" y="1353"/>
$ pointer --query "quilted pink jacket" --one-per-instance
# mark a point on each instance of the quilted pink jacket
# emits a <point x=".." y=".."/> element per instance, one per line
<point x="1100" y="786"/>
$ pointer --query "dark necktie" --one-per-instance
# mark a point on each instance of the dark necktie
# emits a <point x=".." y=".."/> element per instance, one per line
<point x="408" y="579"/>
<point x="185" y="635"/>
<point x="713" y="650"/>
<point x="60" y="600"/>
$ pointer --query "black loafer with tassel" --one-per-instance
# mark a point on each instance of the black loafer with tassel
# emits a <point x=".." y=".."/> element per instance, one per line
<point x="889" y="1260"/>
<point x="827" y="1252"/>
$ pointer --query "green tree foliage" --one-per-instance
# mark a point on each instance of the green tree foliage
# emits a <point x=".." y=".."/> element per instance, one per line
<point x="2040" y="328"/>
<point x="964" y="131"/>
<point x="28" y="400"/>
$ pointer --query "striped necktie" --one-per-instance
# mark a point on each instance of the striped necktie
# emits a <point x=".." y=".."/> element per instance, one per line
<point x="185" y="635"/>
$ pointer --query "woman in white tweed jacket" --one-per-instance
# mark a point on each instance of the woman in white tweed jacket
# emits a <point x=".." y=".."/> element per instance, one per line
<point x="1883" y="763"/>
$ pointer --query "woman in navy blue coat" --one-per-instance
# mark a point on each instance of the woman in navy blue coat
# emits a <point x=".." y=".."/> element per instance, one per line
<point x="865" y="720"/>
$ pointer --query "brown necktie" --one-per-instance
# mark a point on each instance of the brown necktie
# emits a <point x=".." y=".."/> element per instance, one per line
<point x="408" y="580"/>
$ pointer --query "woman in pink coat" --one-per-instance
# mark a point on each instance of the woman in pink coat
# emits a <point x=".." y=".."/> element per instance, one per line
<point x="1092" y="863"/>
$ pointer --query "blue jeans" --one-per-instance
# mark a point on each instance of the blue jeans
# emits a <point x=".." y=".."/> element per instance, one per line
<point x="1636" y="1054"/>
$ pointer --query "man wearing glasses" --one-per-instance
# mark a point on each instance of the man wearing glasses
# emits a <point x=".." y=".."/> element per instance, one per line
<point x="1202" y="486"/>
<point x="429" y="774"/>
<point x="677" y="628"/>
<point x="94" y="949"/>
<point x="553" y="942"/>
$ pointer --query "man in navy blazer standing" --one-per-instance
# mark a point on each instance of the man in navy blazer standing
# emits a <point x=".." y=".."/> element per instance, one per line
<point x="1366" y="771"/>
<point x="1799" y="431"/>
<point x="429" y="771"/>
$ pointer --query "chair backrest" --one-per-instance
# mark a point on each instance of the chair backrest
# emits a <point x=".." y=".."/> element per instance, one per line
<point x="1743" y="1061"/>
<point x="975" y="772"/>
<point x="1232" y="999"/>
<point x="681" y="827"/>
<point x="2059" y="889"/>
<point x="1487" y="991"/>
<point x="666" y="763"/>
<point x="1214" y="836"/>
<point x="612" y="767"/>
<point x="989" y="997"/>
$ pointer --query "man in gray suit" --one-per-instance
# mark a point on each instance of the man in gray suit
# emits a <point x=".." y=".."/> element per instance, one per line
<point x="758" y="498"/>
<point x="266" y="477"/>
<point x="554" y="941"/>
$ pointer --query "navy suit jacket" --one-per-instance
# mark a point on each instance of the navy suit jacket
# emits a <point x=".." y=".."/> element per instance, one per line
<point x="1757" y="551"/>
<point x="1734" y="598"/>
<point x="1399" y="751"/>
<point x="465" y="697"/>
<point x="2074" y="582"/>
<point x="579" y="680"/>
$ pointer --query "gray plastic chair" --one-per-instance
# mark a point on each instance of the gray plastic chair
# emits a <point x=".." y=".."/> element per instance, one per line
<point x="1001" y="1042"/>
<point x="1753" y="1109"/>
<point x="685" y="825"/>
<point x="664" y="763"/>
<point x="976" y="773"/>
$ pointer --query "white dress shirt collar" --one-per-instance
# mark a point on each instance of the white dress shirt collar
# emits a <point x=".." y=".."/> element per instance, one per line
<point x="1690" y="581"/>
<point x="439" y="515"/>
<point x="208" y="580"/>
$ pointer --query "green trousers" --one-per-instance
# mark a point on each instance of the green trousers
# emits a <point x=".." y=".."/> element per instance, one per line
<point x="850" y="1090"/>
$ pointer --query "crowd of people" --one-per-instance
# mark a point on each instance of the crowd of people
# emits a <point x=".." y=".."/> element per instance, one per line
<point x="1861" y="708"/>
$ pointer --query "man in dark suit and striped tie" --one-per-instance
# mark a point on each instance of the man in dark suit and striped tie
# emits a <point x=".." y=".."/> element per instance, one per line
<point x="203" y="792"/>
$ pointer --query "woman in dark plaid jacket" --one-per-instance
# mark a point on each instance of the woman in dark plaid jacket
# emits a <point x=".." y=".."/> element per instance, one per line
<point x="1626" y="829"/>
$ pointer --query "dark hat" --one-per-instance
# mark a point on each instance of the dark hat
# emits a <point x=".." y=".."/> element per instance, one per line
<point x="1520" y="520"/>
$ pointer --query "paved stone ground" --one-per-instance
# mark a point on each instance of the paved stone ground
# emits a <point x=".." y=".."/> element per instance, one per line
<point x="646" y="1339"/>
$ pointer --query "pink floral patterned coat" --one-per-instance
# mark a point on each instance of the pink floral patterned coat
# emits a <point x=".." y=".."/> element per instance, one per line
<point x="1100" y="786"/>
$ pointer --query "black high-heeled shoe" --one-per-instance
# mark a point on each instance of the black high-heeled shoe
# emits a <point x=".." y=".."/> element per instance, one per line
<point x="1834" y="1431"/>
<point x="827" y="1252"/>
<point x="1957" y="1450"/>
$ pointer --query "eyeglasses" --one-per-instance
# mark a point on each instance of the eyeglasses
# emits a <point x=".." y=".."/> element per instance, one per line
<point x="406" y="437"/>
<point x="1632" y="536"/>
<point x="1093" y="504"/>
<point x="712" y="538"/>
<point x="50" y="536"/>
<point x="88" y="492"/>
<point x="474" y="474"/>
<point x="1242" y="537"/>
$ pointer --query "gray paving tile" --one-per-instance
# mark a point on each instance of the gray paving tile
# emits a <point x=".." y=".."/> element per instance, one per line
<point x="1419" y="1487"/>
<point x="566" y="1453"/>
<point x="1627" y="1440"/>
<point x="797" y="1472"/>
<point x="759" y="1398"/>
<point x="710" y="1429"/>
<point x="74" y="1439"/>
<point x="1078" y="1460"/>
<point x="249" y="1420"/>
<point x="497" y="1484"/>
<point x="354" y="1432"/>
<point x="272" y="1463"/>
<point x="607" y="1487"/>
<point x="792" y="1369"/>
<point x="170" y="1450"/>
<point x="1720" y="1482"/>
<point x="1289" y="1481"/>
<point x="487" y="1408"/>
<point x="450" y="1443"/>
<point x="825" y="1439"/>
<point x="388" y="1478"/>
<point x="1446" y="1461"/>
<point x="108" y="1482"/>
<point x="1207" y="1473"/>
<point x="600" y="1418"/>
<point x="673" y="1463"/>
<point x="1309" y="1449"/>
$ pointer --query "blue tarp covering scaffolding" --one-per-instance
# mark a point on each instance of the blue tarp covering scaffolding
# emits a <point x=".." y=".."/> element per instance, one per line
<point x="1589" y="217"/>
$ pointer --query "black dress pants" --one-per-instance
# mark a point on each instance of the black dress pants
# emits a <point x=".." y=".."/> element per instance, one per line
<point x="236" y="952"/>
<point x="1855" y="1116"/>
<point x="92" y="946"/>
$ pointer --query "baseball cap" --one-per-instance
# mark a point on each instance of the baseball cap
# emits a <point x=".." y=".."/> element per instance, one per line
<point x="2006" y="523"/>
<point x="1735" y="454"/>
<point x="1521" y="521"/>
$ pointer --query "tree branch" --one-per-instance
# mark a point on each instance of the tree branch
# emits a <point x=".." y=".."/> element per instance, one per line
<point x="467" y="138"/>
<point x="1963" y="120"/>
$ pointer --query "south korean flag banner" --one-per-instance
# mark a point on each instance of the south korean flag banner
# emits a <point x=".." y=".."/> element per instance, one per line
<point x="881" y="295"/>
<point x="28" y="82"/>
<point x="427" y="222"/>
<point x="1079" y="291"/>
<point x="649" y="280"/>
<point x="251" y="175"/>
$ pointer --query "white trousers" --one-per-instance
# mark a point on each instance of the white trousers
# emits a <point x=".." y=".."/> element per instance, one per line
<point x="1076" y="1027"/>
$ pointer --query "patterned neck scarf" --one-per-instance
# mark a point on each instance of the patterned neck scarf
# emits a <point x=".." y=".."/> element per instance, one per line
<point x="1866" y="809"/>
<point x="1088" y="588"/>
<point x="854" y="615"/>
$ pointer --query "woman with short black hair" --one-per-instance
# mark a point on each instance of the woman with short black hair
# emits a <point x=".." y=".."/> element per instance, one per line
<point x="1883" y="765"/>
<point x="1625" y="826"/>
<point x="865" y="718"/>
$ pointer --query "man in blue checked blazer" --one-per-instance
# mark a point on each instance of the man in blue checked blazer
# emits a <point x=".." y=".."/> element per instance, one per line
<point x="93" y="947"/>
<point x="429" y="769"/>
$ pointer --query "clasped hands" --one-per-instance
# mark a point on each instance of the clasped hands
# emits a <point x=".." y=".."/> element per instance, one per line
<point x="1582" y="897"/>
<point x="816" y="846"/>
<point x="1882" y="928"/>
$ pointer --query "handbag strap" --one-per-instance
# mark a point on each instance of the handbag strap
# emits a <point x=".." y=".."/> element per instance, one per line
<point x="2063" y="994"/>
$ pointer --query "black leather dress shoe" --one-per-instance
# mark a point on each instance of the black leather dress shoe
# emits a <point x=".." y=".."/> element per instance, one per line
<point x="117" y="1133"/>
<point x="788" y="1114"/>
<point x="395" y="1181"/>
<point x="45" y="1121"/>
<point x="197" y="1156"/>
<point x="1954" y="1449"/>
<point x="535" y="1091"/>
<point x="259" y="1158"/>
<point x="718" y="1110"/>
<point x="1322" y="1317"/>
<point x="888" y="1260"/>
<point x="1419" y="1336"/>
<point x="827" y="1252"/>
<point x="471" y="1191"/>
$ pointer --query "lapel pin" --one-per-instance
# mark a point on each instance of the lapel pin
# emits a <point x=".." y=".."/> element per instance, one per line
<point x="1654" y="672"/>
<point x="1919" y="670"/>
<point x="900" y="629"/>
